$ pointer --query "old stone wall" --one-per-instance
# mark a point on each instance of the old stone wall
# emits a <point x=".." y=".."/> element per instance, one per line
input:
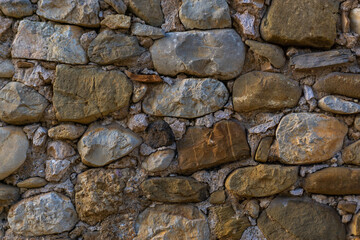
<point x="179" y="119"/>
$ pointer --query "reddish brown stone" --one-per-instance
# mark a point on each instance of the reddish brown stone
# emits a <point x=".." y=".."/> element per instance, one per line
<point x="143" y="78"/>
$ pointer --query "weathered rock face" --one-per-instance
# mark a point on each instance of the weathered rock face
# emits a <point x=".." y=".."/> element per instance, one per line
<point x="334" y="181"/>
<point x="84" y="94"/>
<point x="216" y="53"/>
<point x="159" y="134"/>
<point x="110" y="47"/>
<point x="20" y="104"/>
<point x="13" y="148"/>
<point x="45" y="214"/>
<point x="295" y="218"/>
<point x="70" y="11"/>
<point x="7" y="69"/>
<point x="351" y="154"/>
<point x="337" y="105"/>
<point x="228" y="224"/>
<point x="66" y="131"/>
<point x="306" y="138"/>
<point x="264" y="91"/>
<point x="187" y="98"/>
<point x="204" y="148"/>
<point x="311" y="23"/>
<point x="55" y="169"/>
<point x="175" y="222"/>
<point x="49" y="42"/>
<point x="118" y="21"/>
<point x="8" y="195"/>
<point x="118" y="5"/>
<point x="262" y="180"/>
<point x="16" y="8"/>
<point x="205" y="14"/>
<point x="99" y="193"/>
<point x="346" y="84"/>
<point x="262" y="151"/>
<point x="143" y="30"/>
<point x="159" y="160"/>
<point x="148" y="10"/>
<point x="101" y="145"/>
<point x="175" y="190"/>
<point x="273" y="53"/>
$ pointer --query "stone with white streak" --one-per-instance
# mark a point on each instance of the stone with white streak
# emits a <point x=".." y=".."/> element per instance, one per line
<point x="245" y="25"/>
<point x="337" y="105"/>
<point x="159" y="160"/>
<point x="55" y="169"/>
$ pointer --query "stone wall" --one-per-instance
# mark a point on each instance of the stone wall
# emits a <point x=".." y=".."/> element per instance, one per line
<point x="179" y="119"/>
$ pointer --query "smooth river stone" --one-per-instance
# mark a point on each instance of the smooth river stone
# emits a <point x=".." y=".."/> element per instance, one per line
<point x="337" y="105"/>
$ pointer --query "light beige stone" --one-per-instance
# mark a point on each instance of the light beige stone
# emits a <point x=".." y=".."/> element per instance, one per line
<point x="118" y="21"/>
<point x="159" y="160"/>
<point x="34" y="182"/>
<point x="8" y="195"/>
<point x="355" y="20"/>
<point x="66" y="131"/>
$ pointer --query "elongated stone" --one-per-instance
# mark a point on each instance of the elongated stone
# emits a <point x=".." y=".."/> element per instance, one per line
<point x="337" y="105"/>
<point x="187" y="98"/>
<point x="215" y="53"/>
<point x="346" y="84"/>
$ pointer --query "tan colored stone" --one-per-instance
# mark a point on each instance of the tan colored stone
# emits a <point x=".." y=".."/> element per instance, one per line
<point x="218" y="197"/>
<point x="334" y="181"/>
<point x="262" y="151"/>
<point x="118" y="21"/>
<point x="273" y="53"/>
<point x="144" y="78"/>
<point x="8" y="195"/>
<point x="66" y="131"/>
<point x="355" y="20"/>
<point x="7" y="69"/>
<point x="262" y="180"/>
<point x="175" y="222"/>
<point x="34" y="182"/>
<point x="56" y="169"/>
<point x="175" y="190"/>
<point x="16" y="8"/>
<point x="148" y="10"/>
<point x="351" y="154"/>
<point x="83" y="94"/>
<point x="306" y="138"/>
<point x="143" y="30"/>
<point x="159" y="160"/>
<point x="119" y="6"/>
<point x="13" y="148"/>
<point x="60" y="150"/>
<point x="354" y="226"/>
<point x="347" y="206"/>
<point x="205" y="148"/>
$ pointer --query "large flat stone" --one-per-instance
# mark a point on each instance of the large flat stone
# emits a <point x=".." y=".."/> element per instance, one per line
<point x="297" y="218"/>
<point x="101" y="145"/>
<point x="215" y="53"/>
<point x="175" y="222"/>
<point x="84" y="13"/>
<point x="83" y="94"/>
<point x="334" y="181"/>
<point x="261" y="181"/>
<point x="306" y="138"/>
<point x="265" y="91"/>
<point x="187" y="98"/>
<point x="337" y="105"/>
<point x="20" y="104"/>
<point x="148" y="10"/>
<point x="309" y="23"/>
<point x="49" y="213"/>
<point x="346" y="84"/>
<point x="16" y="8"/>
<point x="49" y="42"/>
<point x="205" y="148"/>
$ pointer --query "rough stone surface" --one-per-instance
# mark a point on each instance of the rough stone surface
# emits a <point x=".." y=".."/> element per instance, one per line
<point x="34" y="182"/>
<point x="45" y="214"/>
<point x="354" y="226"/>
<point x="175" y="222"/>
<point x="66" y="131"/>
<point x="159" y="160"/>
<point x="110" y="47"/>
<point x="60" y="150"/>
<point x="351" y="154"/>
<point x="306" y="138"/>
<point x="273" y="53"/>
<point x="16" y="8"/>
<point x="245" y="25"/>
<point x="355" y="20"/>
<point x="117" y="21"/>
<point x="55" y="169"/>
<point x="309" y="24"/>
<point x="334" y="181"/>
<point x="49" y="42"/>
<point x="205" y="148"/>
<point x="187" y="98"/>
<point x="119" y="6"/>
<point x="99" y="193"/>
<point x="20" y="104"/>
<point x="337" y="105"/>
<point x="101" y="145"/>
<point x="346" y="84"/>
<point x="148" y="10"/>
<point x="84" y="94"/>
<point x="215" y="53"/>
<point x="143" y="30"/>
<point x="170" y="9"/>
<point x="264" y="91"/>
<point x="253" y="233"/>
<point x="13" y="148"/>
<point x="296" y="218"/>
<point x="262" y="180"/>
<point x="159" y="134"/>
<point x="205" y="14"/>
<point x="70" y="11"/>
<point x="263" y="149"/>
<point x="34" y="76"/>
<point x="8" y="195"/>
<point x="218" y="197"/>
<point x="175" y="190"/>
<point x="7" y="69"/>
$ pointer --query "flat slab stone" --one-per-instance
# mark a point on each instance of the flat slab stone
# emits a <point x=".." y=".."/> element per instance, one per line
<point x="306" y="138"/>
<point x="148" y="10"/>
<point x="337" y="105"/>
<point x="297" y="23"/>
<point x="265" y="91"/>
<point x="205" y="14"/>
<point x="101" y="145"/>
<point x="49" y="42"/>
<point x="45" y="214"/>
<point x="298" y="218"/>
<point x="334" y="181"/>
<point x="143" y="30"/>
<point x="346" y="84"/>
<point x="175" y="190"/>
<point x="321" y="59"/>
<point x="215" y="53"/>
<point x="187" y="98"/>
<point x="261" y="181"/>
<point x="16" y="8"/>
<point x="84" y="94"/>
<point x="84" y="13"/>
<point x="205" y="147"/>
